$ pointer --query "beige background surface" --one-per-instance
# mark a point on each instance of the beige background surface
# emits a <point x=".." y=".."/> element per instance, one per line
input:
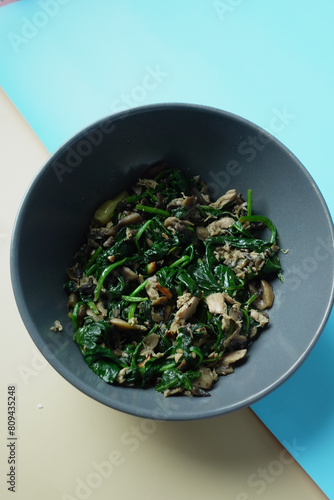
<point x="71" y="447"/>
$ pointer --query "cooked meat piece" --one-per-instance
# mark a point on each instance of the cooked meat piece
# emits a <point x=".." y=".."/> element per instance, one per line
<point x="216" y="303"/>
<point x="185" y="312"/>
<point x="151" y="288"/>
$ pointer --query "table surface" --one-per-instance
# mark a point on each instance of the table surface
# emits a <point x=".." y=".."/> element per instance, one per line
<point x="71" y="447"/>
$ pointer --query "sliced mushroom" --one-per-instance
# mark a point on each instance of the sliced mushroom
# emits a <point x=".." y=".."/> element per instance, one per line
<point x="202" y="233"/>
<point x="172" y="222"/>
<point x="57" y="326"/>
<point x="260" y="318"/>
<point x="235" y="313"/>
<point x="206" y="379"/>
<point x="228" y="324"/>
<point x="133" y="218"/>
<point x="227" y="198"/>
<point x="202" y="198"/>
<point x="233" y="357"/>
<point x="230" y="300"/>
<point x="124" y="325"/>
<point x="181" y="226"/>
<point x="219" y="226"/>
<point x="108" y="242"/>
<point x="266" y="298"/>
<point x="187" y="201"/>
<point x="199" y="392"/>
<point x="225" y="363"/>
<point x="148" y="183"/>
<point x="73" y="298"/>
<point x="149" y="344"/>
<point x="173" y="391"/>
<point x="101" y="308"/>
<point x="121" y="375"/>
<point x="129" y="274"/>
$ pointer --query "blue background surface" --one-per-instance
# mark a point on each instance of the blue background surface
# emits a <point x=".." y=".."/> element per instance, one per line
<point x="67" y="63"/>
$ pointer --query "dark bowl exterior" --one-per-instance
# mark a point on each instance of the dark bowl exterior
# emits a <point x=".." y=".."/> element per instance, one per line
<point x="227" y="151"/>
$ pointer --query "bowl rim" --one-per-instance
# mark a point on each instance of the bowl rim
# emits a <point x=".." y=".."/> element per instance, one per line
<point x="28" y="320"/>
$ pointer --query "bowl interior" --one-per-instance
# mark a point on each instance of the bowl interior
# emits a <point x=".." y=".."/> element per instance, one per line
<point x="227" y="152"/>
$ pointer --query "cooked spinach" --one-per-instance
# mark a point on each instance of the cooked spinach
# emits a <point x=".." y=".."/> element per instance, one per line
<point x="169" y="283"/>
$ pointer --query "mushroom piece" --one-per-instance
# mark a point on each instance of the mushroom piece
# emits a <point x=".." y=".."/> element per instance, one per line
<point x="199" y="392"/>
<point x="260" y="318"/>
<point x="129" y="274"/>
<point x="73" y="298"/>
<point x="175" y="224"/>
<point x="227" y="198"/>
<point x="266" y="298"/>
<point x="224" y="367"/>
<point x="217" y="227"/>
<point x="173" y="391"/>
<point x="121" y="375"/>
<point x="150" y="343"/>
<point x="187" y="201"/>
<point x="202" y="233"/>
<point x="133" y="218"/>
<point x="57" y="326"/>
<point x="124" y="325"/>
<point x="148" y="183"/>
<point x="202" y="198"/>
<point x="206" y="379"/>
<point x="233" y="357"/>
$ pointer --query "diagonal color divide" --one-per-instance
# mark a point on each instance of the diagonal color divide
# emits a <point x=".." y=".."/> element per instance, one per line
<point x="6" y="2"/>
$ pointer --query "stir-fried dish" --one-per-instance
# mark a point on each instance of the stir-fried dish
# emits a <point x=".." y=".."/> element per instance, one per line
<point x="170" y="288"/>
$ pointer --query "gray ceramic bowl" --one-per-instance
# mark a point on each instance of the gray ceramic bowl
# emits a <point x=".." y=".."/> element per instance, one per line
<point x="227" y="151"/>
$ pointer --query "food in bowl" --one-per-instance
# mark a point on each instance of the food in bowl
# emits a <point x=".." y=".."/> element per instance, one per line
<point x="170" y="288"/>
